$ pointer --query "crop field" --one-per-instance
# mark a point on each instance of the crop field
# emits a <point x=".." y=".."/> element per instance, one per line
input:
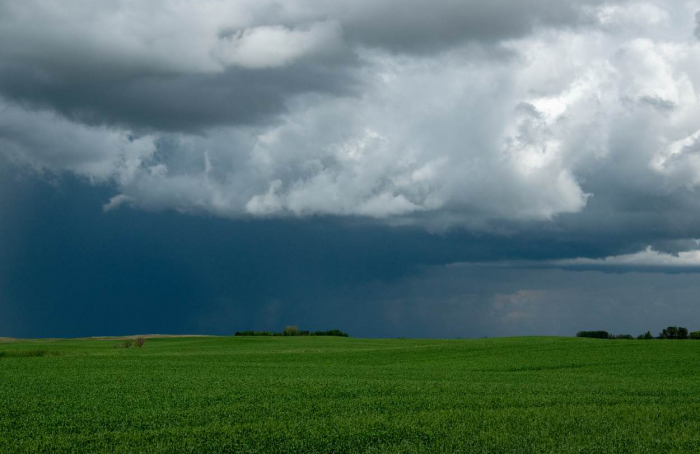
<point x="345" y="395"/>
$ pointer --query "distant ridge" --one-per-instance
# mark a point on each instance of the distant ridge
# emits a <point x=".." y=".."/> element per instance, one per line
<point x="147" y="336"/>
<point x="130" y="336"/>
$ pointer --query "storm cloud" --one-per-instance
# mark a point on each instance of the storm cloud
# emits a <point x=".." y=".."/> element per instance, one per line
<point x="182" y="66"/>
<point x="449" y="114"/>
<point x="547" y="134"/>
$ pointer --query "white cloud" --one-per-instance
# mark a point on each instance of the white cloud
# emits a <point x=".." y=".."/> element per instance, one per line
<point x="642" y="14"/>
<point x="645" y="258"/>
<point x="115" y="202"/>
<point x="44" y="141"/>
<point x="274" y="46"/>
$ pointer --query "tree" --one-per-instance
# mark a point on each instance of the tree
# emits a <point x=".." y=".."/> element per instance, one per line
<point x="291" y="330"/>
<point x="594" y="334"/>
<point x="674" y="332"/>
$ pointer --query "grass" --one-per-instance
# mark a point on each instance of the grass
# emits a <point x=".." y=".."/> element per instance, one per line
<point x="323" y="395"/>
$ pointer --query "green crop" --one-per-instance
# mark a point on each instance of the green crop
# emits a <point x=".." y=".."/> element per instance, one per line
<point x="340" y="395"/>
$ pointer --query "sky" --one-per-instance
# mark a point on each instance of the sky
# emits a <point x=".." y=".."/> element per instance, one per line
<point x="390" y="168"/>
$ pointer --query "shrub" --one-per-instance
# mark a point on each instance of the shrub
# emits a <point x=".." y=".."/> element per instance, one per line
<point x="139" y="342"/>
<point x="695" y="335"/>
<point x="594" y="334"/>
<point x="257" y="333"/>
<point x="674" y="332"/>
<point x="125" y="344"/>
<point x="623" y="336"/>
<point x="293" y="331"/>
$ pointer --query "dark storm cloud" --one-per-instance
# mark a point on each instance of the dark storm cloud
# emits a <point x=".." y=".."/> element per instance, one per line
<point x="177" y="102"/>
<point x="69" y="270"/>
<point x="178" y="73"/>
<point x="475" y="301"/>
<point x="421" y="27"/>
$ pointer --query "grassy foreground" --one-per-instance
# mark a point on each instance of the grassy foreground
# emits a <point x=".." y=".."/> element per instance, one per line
<point x="308" y="395"/>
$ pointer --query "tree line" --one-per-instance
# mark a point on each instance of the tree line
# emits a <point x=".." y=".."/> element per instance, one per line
<point x="293" y="331"/>
<point x="672" y="332"/>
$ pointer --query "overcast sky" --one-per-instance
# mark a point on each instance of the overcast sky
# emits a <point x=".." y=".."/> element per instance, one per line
<point x="453" y="168"/>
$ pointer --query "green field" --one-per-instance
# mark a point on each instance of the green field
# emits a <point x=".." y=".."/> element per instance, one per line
<point x="315" y="394"/>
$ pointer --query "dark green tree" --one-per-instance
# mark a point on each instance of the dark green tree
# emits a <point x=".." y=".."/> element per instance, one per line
<point x="594" y="334"/>
<point x="674" y="332"/>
